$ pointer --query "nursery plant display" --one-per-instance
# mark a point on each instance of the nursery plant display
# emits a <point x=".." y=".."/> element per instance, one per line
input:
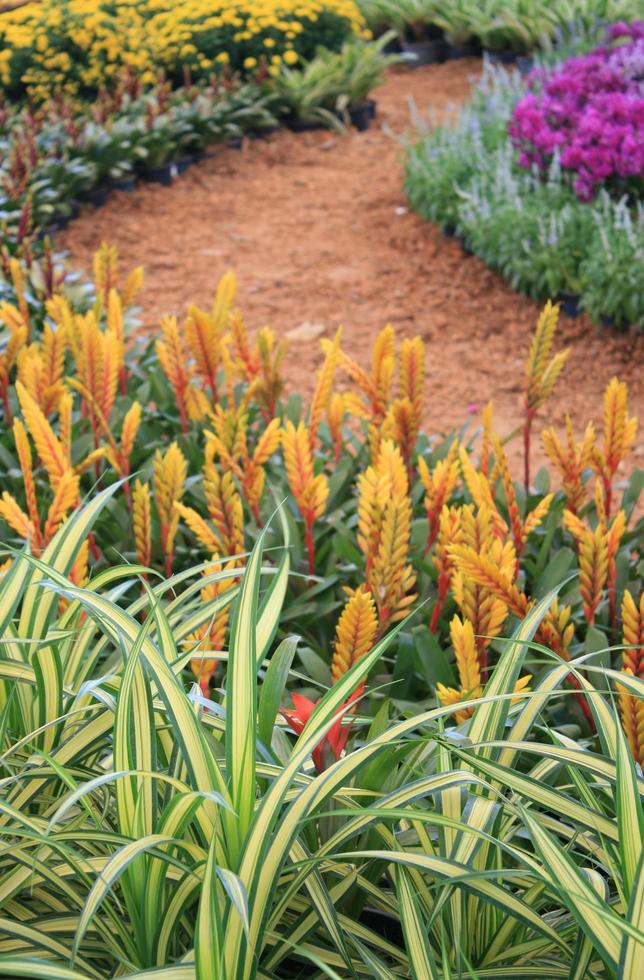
<point x="505" y="28"/>
<point x="525" y="211"/>
<point x="60" y="155"/>
<point x="353" y="799"/>
<point x="333" y="86"/>
<point x="79" y="45"/>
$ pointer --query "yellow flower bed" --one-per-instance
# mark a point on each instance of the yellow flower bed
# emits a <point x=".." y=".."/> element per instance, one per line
<point x="77" y="45"/>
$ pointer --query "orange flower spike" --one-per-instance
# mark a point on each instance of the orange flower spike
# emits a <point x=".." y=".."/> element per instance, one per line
<point x="570" y="461"/>
<point x="361" y="378"/>
<point x="400" y="426"/>
<point x="247" y="360"/>
<point x="268" y="383"/>
<point x="8" y="358"/>
<point x="355" y="633"/>
<point x="224" y="506"/>
<point x="383" y="364"/>
<point x="412" y="376"/>
<point x="487" y="572"/>
<point x="116" y="327"/>
<point x="462" y="636"/>
<point x="267" y="444"/>
<point x="613" y="540"/>
<point x="24" y="456"/>
<point x="324" y="384"/>
<point x="51" y="452"/>
<point x="173" y="359"/>
<point x="169" y="477"/>
<point x="310" y="492"/>
<point x="65" y="423"/>
<point x="619" y="436"/>
<point x="593" y="570"/>
<point x="536" y="516"/>
<point x="514" y="517"/>
<point x="132" y="287"/>
<point x="106" y="270"/>
<point x="79" y="573"/>
<point x="449" y="533"/>
<point x="65" y="499"/>
<point x="142" y="522"/>
<point x="335" y="415"/>
<point x="481" y="493"/>
<point x="15" y="517"/>
<point x="203" y="337"/>
<point x="486" y="439"/>
<point x="129" y="431"/>
<point x="15" y="271"/>
<point x="557" y="631"/>
<point x="389" y="577"/>
<point x="542" y="373"/>
<point x="632" y="707"/>
<point x="439" y="486"/>
<point x="224" y="298"/>
<point x="199" y="527"/>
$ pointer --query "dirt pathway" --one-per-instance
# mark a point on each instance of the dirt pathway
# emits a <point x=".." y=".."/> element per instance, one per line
<point x="317" y="228"/>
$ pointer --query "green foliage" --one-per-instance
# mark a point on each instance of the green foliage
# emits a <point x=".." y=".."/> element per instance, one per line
<point x="324" y="88"/>
<point x="148" y="829"/>
<point x="497" y="24"/>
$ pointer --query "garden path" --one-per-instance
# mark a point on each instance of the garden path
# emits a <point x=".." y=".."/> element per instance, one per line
<point x="317" y="229"/>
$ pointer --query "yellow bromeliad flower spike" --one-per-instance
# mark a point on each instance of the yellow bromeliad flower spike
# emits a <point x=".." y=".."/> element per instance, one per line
<point x="570" y="460"/>
<point x="632" y="707"/>
<point x="469" y="671"/>
<point x="439" y="486"/>
<point x="355" y="633"/>
<point x="309" y="490"/>
<point x="384" y="528"/>
<point x="169" y="471"/>
<point x="541" y="374"/>
<point x="619" y="436"/>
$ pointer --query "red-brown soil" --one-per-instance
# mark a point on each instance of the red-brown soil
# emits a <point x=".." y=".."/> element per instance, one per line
<point x="317" y="228"/>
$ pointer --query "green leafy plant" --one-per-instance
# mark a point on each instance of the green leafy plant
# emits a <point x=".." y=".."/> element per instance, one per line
<point x="152" y="829"/>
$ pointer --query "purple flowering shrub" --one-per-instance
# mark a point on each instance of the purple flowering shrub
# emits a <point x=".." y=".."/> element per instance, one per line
<point x="589" y="111"/>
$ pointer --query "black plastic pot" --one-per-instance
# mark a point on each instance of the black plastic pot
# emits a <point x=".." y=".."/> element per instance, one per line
<point x="373" y="107"/>
<point x="159" y="175"/>
<point x="392" y="47"/>
<point x="449" y="230"/>
<point x="297" y="125"/>
<point x="570" y="303"/>
<point x="235" y="144"/>
<point x="183" y="163"/>
<point x="97" y="196"/>
<point x="502" y="57"/>
<point x="418" y="53"/>
<point x="263" y="132"/>
<point x="125" y="183"/>
<point x="607" y="321"/>
<point x="465" y="248"/>
<point x="60" y="221"/>
<point x="525" y="64"/>
<point x="361" y="116"/>
<point x="469" y="50"/>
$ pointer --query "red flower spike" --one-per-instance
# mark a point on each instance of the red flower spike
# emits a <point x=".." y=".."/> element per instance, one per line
<point x="335" y="740"/>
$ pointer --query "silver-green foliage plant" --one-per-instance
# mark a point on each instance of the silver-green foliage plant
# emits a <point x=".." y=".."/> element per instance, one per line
<point x="149" y="832"/>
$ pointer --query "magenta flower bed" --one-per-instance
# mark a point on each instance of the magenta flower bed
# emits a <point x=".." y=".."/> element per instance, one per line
<point x="590" y="110"/>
